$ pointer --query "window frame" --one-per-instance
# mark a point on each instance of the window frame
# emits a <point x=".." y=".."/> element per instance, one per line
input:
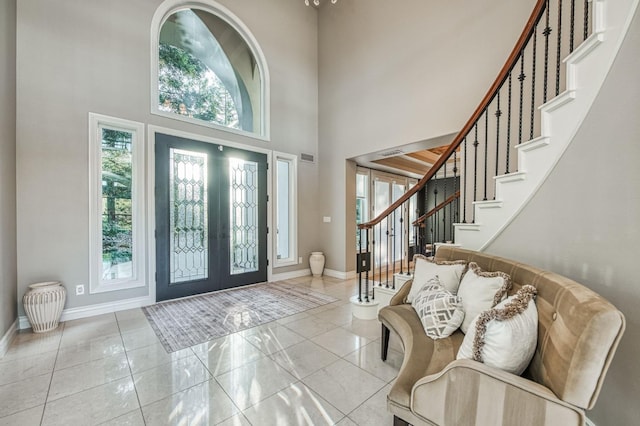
<point x="169" y="7"/>
<point x="367" y="203"/>
<point x="292" y="211"/>
<point x="97" y="122"/>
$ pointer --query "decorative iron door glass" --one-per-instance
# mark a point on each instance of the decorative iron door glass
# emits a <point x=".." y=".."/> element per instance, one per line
<point x="211" y="212"/>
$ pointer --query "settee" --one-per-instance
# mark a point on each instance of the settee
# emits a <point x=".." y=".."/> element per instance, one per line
<point x="578" y="333"/>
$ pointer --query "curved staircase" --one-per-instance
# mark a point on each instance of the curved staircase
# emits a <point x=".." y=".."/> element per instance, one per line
<point x="561" y="117"/>
<point x="509" y="145"/>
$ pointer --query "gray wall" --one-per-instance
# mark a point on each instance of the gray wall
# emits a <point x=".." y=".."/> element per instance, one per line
<point x="393" y="73"/>
<point x="584" y="222"/>
<point x="94" y="56"/>
<point x="8" y="300"/>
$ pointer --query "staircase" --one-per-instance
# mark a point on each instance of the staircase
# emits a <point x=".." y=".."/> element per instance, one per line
<point x="585" y="71"/>
<point x="511" y="142"/>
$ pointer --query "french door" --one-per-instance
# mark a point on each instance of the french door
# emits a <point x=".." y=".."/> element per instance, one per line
<point x="211" y="217"/>
<point x="387" y="191"/>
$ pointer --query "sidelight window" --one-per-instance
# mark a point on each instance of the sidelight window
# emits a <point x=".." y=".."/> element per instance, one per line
<point x="116" y="205"/>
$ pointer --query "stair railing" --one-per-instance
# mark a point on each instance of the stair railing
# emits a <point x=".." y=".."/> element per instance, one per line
<point x="486" y="146"/>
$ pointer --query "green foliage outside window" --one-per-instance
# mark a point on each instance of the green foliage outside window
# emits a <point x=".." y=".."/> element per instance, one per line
<point x="188" y="87"/>
<point x="117" y="232"/>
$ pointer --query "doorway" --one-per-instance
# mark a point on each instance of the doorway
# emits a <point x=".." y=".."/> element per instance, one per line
<point x="211" y="217"/>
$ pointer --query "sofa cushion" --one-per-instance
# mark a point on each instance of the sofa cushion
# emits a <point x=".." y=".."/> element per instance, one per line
<point x="425" y="269"/>
<point x="480" y="291"/>
<point x="504" y="337"/>
<point x="439" y="311"/>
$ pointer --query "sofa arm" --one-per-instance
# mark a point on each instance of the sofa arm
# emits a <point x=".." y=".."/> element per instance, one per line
<point x="467" y="392"/>
<point x="400" y="297"/>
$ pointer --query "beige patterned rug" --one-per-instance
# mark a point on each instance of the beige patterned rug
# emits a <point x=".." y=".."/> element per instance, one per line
<point x="193" y="320"/>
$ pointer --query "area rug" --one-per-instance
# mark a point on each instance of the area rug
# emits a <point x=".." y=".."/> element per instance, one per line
<point x="193" y="320"/>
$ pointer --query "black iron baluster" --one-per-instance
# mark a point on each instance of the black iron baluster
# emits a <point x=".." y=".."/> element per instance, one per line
<point x="402" y="248"/>
<point x="546" y="33"/>
<point x="572" y="25"/>
<point x="586" y="20"/>
<point x="425" y="224"/>
<point x="533" y="81"/>
<point x="498" y="114"/>
<point x="508" y="124"/>
<point x="380" y="250"/>
<point x="559" y="47"/>
<point x="417" y="239"/>
<point x="370" y="256"/>
<point x="464" y="183"/>
<point x="408" y="234"/>
<point x="444" y="213"/>
<point x="486" y="150"/>
<point x="373" y="253"/>
<point x="360" y="266"/>
<point x="387" y="269"/>
<point x="475" y="171"/>
<point x="521" y="78"/>
<point x="434" y="222"/>
<point x="455" y="180"/>
<point x="391" y="251"/>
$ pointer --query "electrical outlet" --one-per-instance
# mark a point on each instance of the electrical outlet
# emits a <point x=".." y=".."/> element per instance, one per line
<point x="300" y="260"/>
<point x="79" y="290"/>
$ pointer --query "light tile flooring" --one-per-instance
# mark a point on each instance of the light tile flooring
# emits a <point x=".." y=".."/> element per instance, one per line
<point x="319" y="367"/>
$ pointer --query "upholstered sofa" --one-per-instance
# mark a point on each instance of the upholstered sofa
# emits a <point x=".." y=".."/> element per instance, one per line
<point x="578" y="333"/>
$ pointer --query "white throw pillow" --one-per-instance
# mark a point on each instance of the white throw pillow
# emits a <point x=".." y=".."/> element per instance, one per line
<point x="439" y="311"/>
<point x="449" y="273"/>
<point x="480" y="291"/>
<point x="506" y="336"/>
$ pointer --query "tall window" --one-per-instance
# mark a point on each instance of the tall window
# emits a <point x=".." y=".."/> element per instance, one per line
<point x="117" y="253"/>
<point x="285" y="209"/>
<point x="208" y="70"/>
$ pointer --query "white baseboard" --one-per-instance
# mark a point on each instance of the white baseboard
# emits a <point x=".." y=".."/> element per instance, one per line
<point x="93" y="310"/>
<point x="339" y="274"/>
<point x="6" y="340"/>
<point x="290" y="275"/>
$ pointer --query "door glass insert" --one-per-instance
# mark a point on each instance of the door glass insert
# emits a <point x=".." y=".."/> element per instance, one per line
<point x="188" y="233"/>
<point x="244" y="216"/>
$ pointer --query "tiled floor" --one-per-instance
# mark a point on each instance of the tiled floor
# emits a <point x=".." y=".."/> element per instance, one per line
<point x="319" y="367"/>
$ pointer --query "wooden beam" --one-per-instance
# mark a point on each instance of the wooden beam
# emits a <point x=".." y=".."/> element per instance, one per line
<point x="425" y="155"/>
<point x="403" y="164"/>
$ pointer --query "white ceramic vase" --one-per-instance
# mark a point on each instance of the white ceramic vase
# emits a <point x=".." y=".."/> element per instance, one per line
<point x="43" y="303"/>
<point x="316" y="262"/>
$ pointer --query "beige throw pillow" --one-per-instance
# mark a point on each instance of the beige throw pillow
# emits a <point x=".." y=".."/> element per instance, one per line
<point x="506" y="336"/>
<point x="481" y="291"/>
<point x="448" y="272"/>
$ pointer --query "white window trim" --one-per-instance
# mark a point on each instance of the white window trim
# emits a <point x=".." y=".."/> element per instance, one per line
<point x="169" y="7"/>
<point x="293" y="209"/>
<point x="96" y="123"/>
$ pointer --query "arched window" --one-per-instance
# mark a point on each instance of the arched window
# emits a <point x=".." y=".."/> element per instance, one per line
<point x="208" y="69"/>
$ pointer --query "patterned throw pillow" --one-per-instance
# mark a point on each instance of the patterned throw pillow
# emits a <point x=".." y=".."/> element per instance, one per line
<point x="448" y="272"/>
<point x="439" y="311"/>
<point x="506" y="336"/>
<point x="480" y="290"/>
